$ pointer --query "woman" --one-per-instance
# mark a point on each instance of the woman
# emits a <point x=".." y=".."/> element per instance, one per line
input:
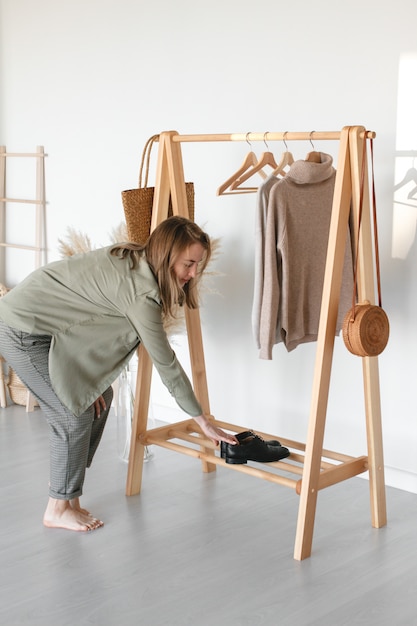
<point x="71" y="326"/>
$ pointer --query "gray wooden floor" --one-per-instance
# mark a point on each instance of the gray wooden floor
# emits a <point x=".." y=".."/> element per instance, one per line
<point x="194" y="548"/>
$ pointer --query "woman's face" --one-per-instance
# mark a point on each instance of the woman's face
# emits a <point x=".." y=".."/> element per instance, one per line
<point x="186" y="266"/>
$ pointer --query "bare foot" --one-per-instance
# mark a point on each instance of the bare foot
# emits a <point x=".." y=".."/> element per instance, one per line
<point x="60" y="514"/>
<point x="75" y="504"/>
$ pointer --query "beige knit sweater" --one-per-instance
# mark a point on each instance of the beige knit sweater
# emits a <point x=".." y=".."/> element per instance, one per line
<point x="294" y="241"/>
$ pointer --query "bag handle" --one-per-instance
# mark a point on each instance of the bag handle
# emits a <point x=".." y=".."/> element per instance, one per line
<point x="378" y="275"/>
<point x="146" y="155"/>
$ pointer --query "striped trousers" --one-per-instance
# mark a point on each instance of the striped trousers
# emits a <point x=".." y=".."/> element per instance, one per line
<point x="73" y="440"/>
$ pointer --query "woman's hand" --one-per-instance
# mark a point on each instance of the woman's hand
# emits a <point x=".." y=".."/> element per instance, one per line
<point x="99" y="405"/>
<point x="213" y="432"/>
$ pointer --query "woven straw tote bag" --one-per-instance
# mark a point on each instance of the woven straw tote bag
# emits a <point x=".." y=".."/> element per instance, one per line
<point x="137" y="203"/>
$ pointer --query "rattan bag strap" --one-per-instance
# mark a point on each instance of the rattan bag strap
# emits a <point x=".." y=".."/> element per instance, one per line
<point x="146" y="157"/>
<point x="374" y="213"/>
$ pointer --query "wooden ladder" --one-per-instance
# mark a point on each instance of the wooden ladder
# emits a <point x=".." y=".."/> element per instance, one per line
<point x="39" y="202"/>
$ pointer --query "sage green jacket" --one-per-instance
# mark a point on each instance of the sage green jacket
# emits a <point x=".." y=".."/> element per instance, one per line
<point x="97" y="310"/>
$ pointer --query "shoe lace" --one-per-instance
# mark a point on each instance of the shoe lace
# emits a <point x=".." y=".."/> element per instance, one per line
<point x="257" y="436"/>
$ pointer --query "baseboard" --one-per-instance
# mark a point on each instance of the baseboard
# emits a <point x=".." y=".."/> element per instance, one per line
<point x="401" y="479"/>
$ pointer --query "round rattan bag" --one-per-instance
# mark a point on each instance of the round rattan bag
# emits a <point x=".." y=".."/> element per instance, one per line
<point x="366" y="330"/>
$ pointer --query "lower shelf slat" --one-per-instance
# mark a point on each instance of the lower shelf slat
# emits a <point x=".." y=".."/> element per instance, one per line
<point x="335" y="467"/>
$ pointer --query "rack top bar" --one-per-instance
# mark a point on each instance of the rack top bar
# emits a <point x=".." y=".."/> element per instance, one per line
<point x="266" y="136"/>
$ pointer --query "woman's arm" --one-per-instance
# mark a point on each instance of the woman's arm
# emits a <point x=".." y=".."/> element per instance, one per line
<point x="213" y="432"/>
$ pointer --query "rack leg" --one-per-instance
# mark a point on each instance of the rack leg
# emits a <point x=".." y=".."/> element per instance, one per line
<point x="174" y="166"/>
<point x="139" y="422"/>
<point x="196" y="349"/>
<point x="370" y="368"/>
<point x="30" y="402"/>
<point x="324" y="353"/>
<point x="3" y="399"/>
<point x="311" y="471"/>
<point x="375" y="446"/>
<point x="2" y="213"/>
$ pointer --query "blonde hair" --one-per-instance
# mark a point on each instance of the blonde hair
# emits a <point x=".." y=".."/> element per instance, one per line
<point x="162" y="249"/>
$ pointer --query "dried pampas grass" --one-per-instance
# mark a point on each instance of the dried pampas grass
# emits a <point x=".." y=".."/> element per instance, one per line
<point x="74" y="243"/>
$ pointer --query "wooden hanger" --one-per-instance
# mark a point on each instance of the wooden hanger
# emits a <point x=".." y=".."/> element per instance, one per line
<point x="313" y="157"/>
<point x="286" y="159"/>
<point x="267" y="158"/>
<point x="249" y="161"/>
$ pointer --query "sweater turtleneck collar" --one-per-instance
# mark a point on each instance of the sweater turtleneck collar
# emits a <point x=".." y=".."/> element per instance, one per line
<point x="303" y="172"/>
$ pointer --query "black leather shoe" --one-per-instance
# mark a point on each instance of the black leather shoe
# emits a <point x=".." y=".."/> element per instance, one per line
<point x="252" y="448"/>
<point x="242" y="436"/>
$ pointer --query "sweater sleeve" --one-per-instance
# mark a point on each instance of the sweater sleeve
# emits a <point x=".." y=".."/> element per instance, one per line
<point x="271" y="295"/>
<point x="259" y="261"/>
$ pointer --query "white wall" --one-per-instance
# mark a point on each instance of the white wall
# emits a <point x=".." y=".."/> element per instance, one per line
<point x="91" y="80"/>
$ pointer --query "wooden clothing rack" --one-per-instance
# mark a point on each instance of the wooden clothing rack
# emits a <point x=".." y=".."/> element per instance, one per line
<point x="309" y="467"/>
